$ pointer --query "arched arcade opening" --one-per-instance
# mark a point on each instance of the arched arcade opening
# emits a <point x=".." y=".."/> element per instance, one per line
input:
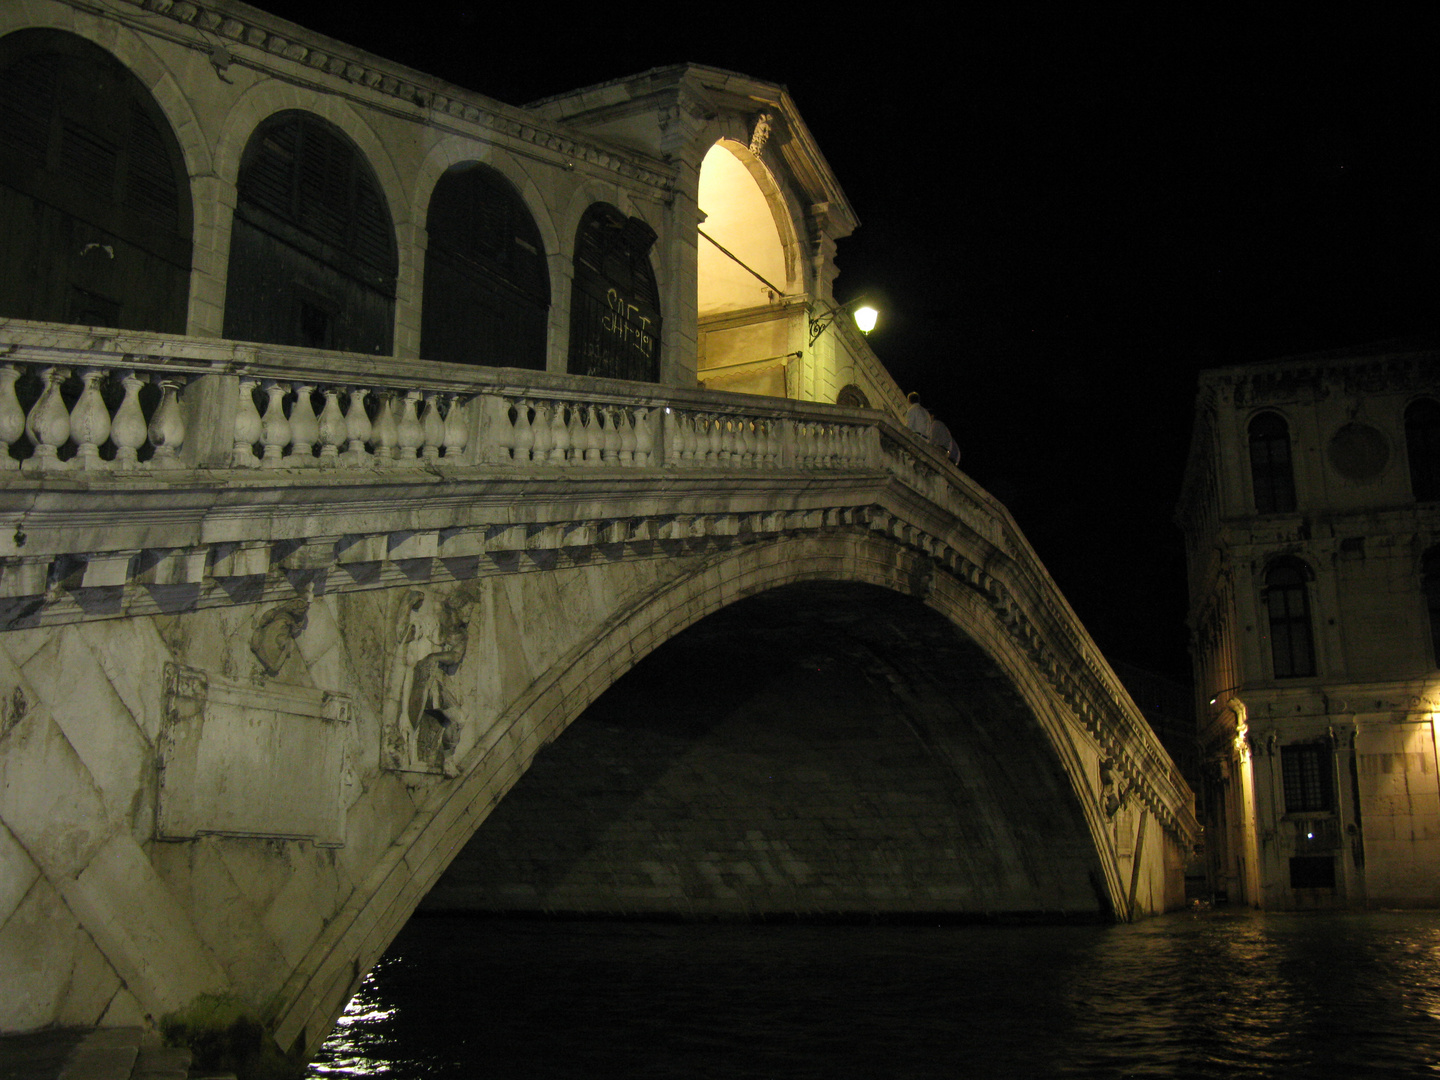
<point x="750" y="301"/>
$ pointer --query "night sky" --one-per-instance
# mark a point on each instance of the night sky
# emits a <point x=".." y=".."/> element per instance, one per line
<point x="1064" y="215"/>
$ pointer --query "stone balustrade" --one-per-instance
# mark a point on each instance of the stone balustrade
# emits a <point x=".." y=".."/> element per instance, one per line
<point x="68" y="403"/>
<point x="89" y="417"/>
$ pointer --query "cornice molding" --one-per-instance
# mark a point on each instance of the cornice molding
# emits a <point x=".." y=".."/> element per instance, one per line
<point x="420" y="97"/>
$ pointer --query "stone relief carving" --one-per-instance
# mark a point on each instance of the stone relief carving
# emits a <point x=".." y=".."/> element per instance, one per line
<point x="761" y="133"/>
<point x="423" y="705"/>
<point x="1111" y="797"/>
<point x="275" y="632"/>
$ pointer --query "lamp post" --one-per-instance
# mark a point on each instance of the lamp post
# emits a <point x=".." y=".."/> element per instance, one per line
<point x="865" y="316"/>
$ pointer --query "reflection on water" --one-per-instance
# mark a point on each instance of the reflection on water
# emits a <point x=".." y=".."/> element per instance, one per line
<point x="1216" y="994"/>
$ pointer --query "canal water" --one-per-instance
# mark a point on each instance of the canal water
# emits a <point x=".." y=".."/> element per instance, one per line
<point x="1196" y="995"/>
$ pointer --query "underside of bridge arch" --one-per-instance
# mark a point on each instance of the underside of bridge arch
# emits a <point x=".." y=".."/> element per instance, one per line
<point x="821" y="749"/>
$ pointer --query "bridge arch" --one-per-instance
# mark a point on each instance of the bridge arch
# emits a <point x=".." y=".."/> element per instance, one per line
<point x="657" y="608"/>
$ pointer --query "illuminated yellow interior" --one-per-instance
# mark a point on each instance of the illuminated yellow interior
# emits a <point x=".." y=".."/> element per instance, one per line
<point x="739" y="218"/>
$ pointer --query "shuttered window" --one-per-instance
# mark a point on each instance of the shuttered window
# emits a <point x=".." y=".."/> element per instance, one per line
<point x="487" y="289"/>
<point x="312" y="255"/>
<point x="1422" y="445"/>
<point x="1292" y="646"/>
<point x="94" y="198"/>
<point x="615" y="304"/>
<point x="1271" y="473"/>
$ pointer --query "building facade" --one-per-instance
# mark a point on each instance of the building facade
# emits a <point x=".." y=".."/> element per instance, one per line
<point x="211" y="171"/>
<point x="1311" y="511"/>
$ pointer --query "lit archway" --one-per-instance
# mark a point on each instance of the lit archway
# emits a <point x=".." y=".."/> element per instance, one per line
<point x="747" y="275"/>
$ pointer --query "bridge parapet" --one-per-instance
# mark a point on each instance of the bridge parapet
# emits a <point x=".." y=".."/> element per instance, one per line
<point x="75" y="401"/>
<point x="143" y="472"/>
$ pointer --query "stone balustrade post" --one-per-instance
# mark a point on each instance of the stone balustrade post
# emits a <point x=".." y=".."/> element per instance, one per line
<point x="12" y="416"/>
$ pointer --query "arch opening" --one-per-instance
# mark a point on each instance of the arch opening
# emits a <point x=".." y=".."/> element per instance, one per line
<point x="95" y="200"/>
<point x="313" y="260"/>
<point x="487" y="290"/>
<point x="615" y="302"/>
<point x="821" y="750"/>
<point x="749" y="319"/>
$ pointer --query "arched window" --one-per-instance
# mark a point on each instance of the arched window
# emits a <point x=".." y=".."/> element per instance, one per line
<point x="95" y="210"/>
<point x="1430" y="581"/>
<point x="1292" y="645"/>
<point x="312" y="251"/>
<point x="487" y="292"/>
<point x="1270" y="469"/>
<point x="615" y="304"/>
<point x="1422" y="443"/>
<point x="852" y="397"/>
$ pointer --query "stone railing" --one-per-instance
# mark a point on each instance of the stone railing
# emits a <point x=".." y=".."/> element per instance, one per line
<point x="72" y="401"/>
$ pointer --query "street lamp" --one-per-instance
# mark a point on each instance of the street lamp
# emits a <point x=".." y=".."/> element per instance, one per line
<point x="864" y="317"/>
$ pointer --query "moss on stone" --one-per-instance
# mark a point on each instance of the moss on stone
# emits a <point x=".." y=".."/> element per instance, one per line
<point x="226" y="1035"/>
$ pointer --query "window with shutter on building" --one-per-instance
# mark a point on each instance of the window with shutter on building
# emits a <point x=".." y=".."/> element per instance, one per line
<point x="487" y="289"/>
<point x="615" y="304"/>
<point x="1305" y="772"/>
<point x="1287" y="600"/>
<point x="1422" y="446"/>
<point x="95" y="201"/>
<point x="1271" y="473"/>
<point x="312" y="250"/>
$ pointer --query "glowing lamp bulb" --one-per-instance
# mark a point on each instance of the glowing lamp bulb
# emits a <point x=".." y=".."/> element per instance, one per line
<point x="865" y="318"/>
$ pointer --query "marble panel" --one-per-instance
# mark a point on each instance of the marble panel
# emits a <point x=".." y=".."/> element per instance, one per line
<point x="253" y="758"/>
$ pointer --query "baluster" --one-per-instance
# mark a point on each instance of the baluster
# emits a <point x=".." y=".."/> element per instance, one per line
<point x="433" y="428"/>
<point x="12" y="416"/>
<point x="304" y="428"/>
<point x="730" y="442"/>
<point x="700" y="427"/>
<point x="714" y="441"/>
<point x="167" y="427"/>
<point x="48" y="424"/>
<point x="357" y="428"/>
<point x="331" y="428"/>
<point x="765" y="444"/>
<point x="89" y="422"/>
<point x="746" y="446"/>
<point x="610" y="447"/>
<point x="409" y="431"/>
<point x="577" y="435"/>
<point x="456" y="433"/>
<point x="524" y="432"/>
<point x="689" y="437"/>
<point x="248" y="427"/>
<point x="627" y="436"/>
<point x="540" y="429"/>
<point x="644" y="438"/>
<point x="594" y="435"/>
<point x="274" y="428"/>
<point x="559" y="434"/>
<point x="385" y="431"/>
<point x="670" y="422"/>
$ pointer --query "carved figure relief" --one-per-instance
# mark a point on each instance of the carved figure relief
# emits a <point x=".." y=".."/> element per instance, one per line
<point x="1111" y="797"/>
<point x="760" y="135"/>
<point x="275" y="632"/>
<point x="423" y="704"/>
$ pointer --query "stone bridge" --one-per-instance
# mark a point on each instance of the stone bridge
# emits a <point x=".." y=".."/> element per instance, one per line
<point x="281" y="628"/>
